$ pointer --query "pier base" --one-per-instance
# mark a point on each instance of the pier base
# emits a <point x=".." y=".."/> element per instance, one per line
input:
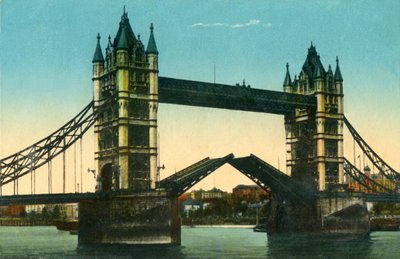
<point x="136" y="219"/>
<point x="330" y="213"/>
<point x="342" y="213"/>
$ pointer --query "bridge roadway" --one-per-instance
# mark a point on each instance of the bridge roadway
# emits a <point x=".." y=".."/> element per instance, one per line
<point x="58" y="198"/>
<point x="194" y="93"/>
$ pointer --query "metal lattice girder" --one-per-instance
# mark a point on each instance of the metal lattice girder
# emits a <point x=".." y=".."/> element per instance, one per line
<point x="382" y="166"/>
<point x="268" y="176"/>
<point x="29" y="159"/>
<point x="363" y="179"/>
<point x="183" y="180"/>
<point x="55" y="198"/>
<point x="194" y="93"/>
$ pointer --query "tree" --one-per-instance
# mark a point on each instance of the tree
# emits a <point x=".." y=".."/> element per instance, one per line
<point x="56" y="212"/>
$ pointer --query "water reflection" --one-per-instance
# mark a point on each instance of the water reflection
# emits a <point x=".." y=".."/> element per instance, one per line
<point x="138" y="251"/>
<point x="314" y="246"/>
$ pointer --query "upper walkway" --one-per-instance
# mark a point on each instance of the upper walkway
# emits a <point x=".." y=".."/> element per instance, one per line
<point x="245" y="98"/>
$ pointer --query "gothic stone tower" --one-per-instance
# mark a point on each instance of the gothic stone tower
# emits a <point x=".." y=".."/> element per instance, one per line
<point x="126" y="134"/>
<point x="126" y="83"/>
<point x="314" y="139"/>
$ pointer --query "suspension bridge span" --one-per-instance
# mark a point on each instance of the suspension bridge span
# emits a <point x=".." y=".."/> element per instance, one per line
<point x="132" y="205"/>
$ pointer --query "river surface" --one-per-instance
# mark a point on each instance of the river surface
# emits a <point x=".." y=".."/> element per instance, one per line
<point x="199" y="242"/>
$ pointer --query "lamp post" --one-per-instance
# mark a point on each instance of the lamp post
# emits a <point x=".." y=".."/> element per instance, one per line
<point x="158" y="173"/>
<point x="94" y="175"/>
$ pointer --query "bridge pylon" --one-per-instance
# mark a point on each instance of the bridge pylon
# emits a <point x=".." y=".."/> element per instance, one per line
<point x="314" y="138"/>
<point x="126" y="134"/>
<point x="126" y="148"/>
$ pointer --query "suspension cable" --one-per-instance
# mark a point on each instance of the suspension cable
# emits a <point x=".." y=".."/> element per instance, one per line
<point x="31" y="181"/>
<point x="34" y="181"/>
<point x="18" y="164"/>
<point x="75" y="167"/>
<point x="64" y="169"/>
<point x="376" y="160"/>
<point x="49" y="179"/>
<point x="80" y="144"/>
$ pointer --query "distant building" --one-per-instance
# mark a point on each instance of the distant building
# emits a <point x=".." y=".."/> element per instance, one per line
<point x="201" y="194"/>
<point x="3" y="210"/>
<point x="67" y="211"/>
<point x="14" y="211"/>
<point x="37" y="208"/>
<point x="189" y="205"/>
<point x="249" y="193"/>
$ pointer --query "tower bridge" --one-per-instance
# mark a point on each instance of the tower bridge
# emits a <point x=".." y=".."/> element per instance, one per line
<point x="132" y="205"/>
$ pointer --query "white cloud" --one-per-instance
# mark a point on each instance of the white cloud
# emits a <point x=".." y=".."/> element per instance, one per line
<point x="252" y="22"/>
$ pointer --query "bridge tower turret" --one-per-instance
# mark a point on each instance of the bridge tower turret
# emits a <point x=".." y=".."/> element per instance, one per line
<point x="152" y="59"/>
<point x="338" y="81"/>
<point x="98" y="69"/>
<point x="320" y="91"/>
<point x="287" y="83"/>
<point x="127" y="155"/>
<point x="288" y="88"/>
<point x="122" y="84"/>
<point x="314" y="139"/>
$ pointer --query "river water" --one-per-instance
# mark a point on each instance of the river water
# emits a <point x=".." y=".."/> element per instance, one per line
<point x="199" y="242"/>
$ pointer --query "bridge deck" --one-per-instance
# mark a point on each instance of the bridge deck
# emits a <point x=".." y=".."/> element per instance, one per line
<point x="55" y="198"/>
<point x="183" y="180"/>
<point x="58" y="198"/>
<point x="279" y="183"/>
<point x="194" y="93"/>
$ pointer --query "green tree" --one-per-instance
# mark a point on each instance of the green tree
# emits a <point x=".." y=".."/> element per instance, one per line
<point x="56" y="212"/>
<point x="45" y="213"/>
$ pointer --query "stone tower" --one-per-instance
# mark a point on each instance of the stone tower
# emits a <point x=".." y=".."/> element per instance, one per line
<point x="314" y="139"/>
<point x="126" y="133"/>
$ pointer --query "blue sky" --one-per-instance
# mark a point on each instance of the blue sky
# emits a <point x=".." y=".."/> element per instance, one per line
<point x="47" y="48"/>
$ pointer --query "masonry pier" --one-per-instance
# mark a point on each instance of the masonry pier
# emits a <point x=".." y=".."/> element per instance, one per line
<point x="329" y="214"/>
<point x="142" y="218"/>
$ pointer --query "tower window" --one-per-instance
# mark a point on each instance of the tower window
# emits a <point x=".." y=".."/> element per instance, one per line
<point x="331" y="148"/>
<point x="138" y="109"/>
<point x="138" y="135"/>
<point x="139" y="167"/>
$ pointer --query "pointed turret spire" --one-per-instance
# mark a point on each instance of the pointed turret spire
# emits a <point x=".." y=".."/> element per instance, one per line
<point x="98" y="54"/>
<point x="338" y="75"/>
<point x="288" y="80"/>
<point x="151" y="46"/>
<point x="110" y="45"/>
<point x="123" y="39"/>
<point x="319" y="71"/>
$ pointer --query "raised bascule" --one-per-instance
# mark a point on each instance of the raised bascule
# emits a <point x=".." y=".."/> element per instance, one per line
<point x="133" y="206"/>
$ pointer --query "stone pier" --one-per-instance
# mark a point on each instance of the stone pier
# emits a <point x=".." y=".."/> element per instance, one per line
<point x="332" y="213"/>
<point x="136" y="219"/>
